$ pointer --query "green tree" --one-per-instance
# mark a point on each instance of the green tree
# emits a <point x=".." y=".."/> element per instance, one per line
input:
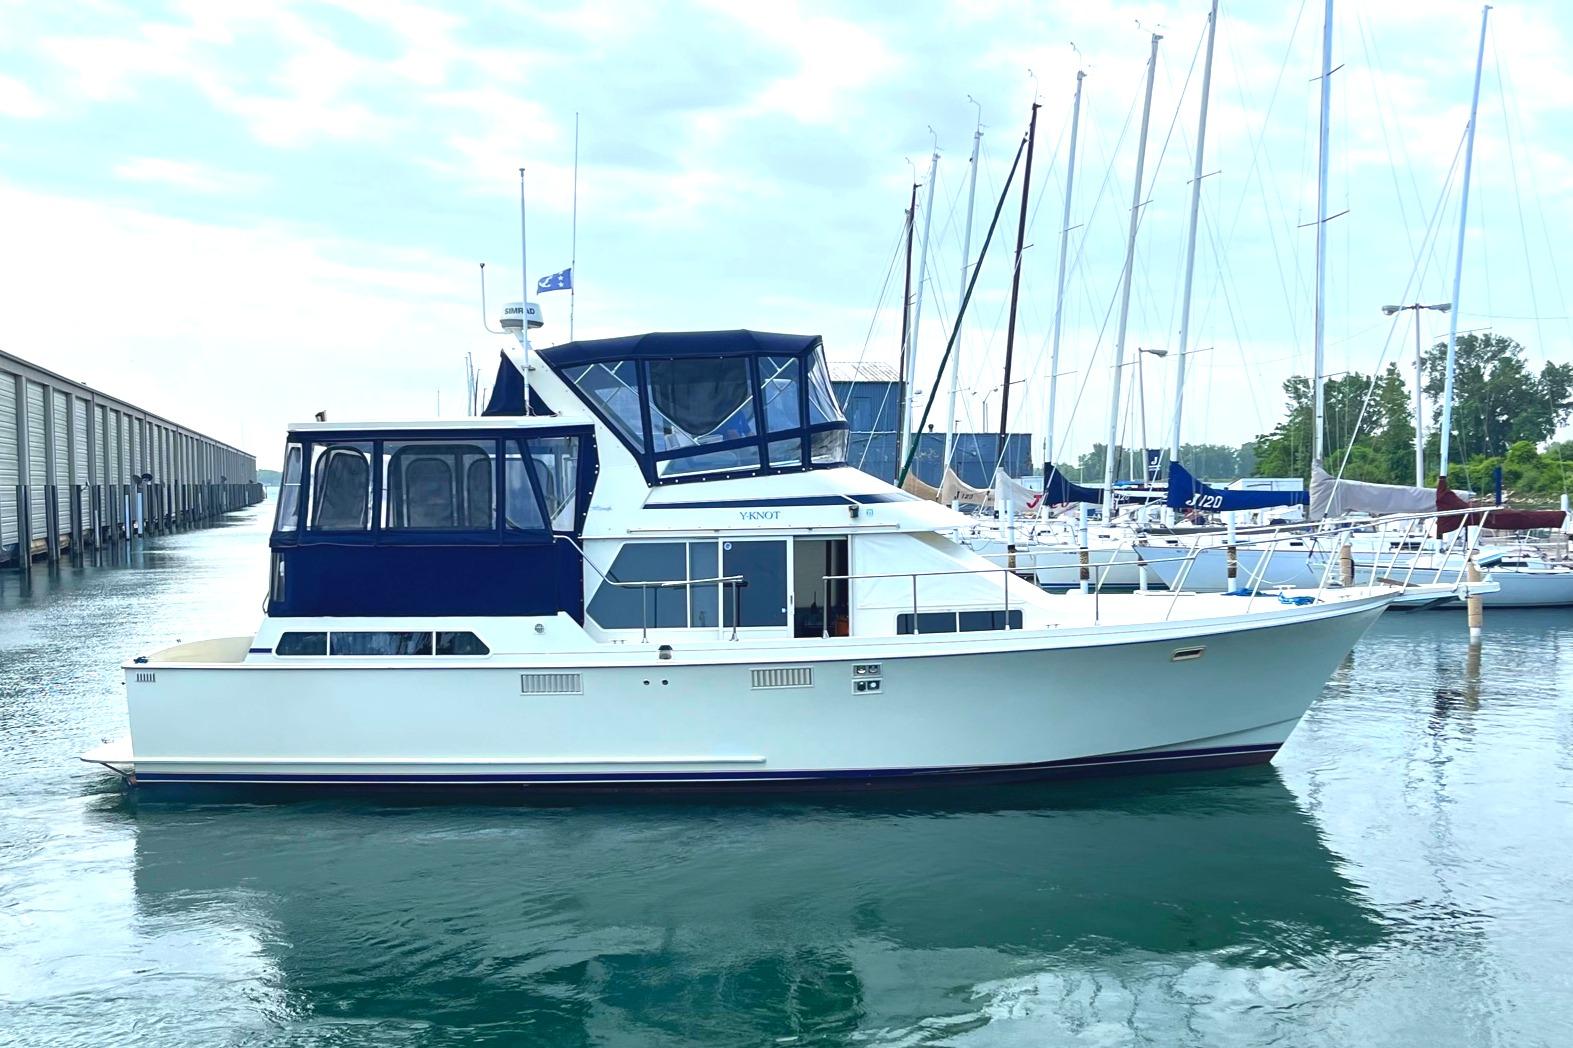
<point x="1497" y="399"/>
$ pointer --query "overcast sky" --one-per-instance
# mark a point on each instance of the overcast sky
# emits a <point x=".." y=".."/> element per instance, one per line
<point x="240" y="214"/>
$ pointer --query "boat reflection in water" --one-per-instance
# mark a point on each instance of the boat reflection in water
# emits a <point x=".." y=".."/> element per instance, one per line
<point x="739" y="922"/>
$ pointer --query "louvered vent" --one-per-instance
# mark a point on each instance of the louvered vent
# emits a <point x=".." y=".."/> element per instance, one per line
<point x="146" y="677"/>
<point x="784" y="677"/>
<point x="551" y="684"/>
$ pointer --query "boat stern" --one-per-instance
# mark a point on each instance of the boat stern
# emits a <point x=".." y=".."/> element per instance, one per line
<point x="116" y="756"/>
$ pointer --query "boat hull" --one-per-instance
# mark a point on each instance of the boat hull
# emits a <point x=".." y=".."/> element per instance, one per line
<point x="1011" y="705"/>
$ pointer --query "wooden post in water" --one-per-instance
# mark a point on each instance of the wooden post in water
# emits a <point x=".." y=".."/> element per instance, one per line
<point x="24" y="529"/>
<point x="1477" y="614"/>
<point x="76" y="520"/>
<point x="1086" y="567"/>
<point x="1233" y="550"/>
<point x="1346" y="563"/>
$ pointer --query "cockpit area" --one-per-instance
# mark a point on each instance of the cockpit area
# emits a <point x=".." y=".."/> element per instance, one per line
<point x="433" y="520"/>
<point x="708" y="405"/>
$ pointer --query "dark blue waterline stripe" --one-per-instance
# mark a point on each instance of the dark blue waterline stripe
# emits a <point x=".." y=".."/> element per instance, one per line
<point x="1214" y="756"/>
<point x="787" y="501"/>
<point x="260" y="651"/>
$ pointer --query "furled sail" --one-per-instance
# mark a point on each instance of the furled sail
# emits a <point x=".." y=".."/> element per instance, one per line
<point x="1008" y="491"/>
<point x="1331" y="497"/>
<point x="953" y="491"/>
<point x="1057" y="490"/>
<point x="1186" y="492"/>
<point x="1447" y="501"/>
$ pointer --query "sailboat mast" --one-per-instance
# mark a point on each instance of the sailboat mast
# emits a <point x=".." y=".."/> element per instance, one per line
<point x="923" y="268"/>
<point x="1015" y="283"/>
<point x="1059" y="285"/>
<point x="966" y="266"/>
<point x="1190" y="241"/>
<point x="1319" y="408"/>
<point x="904" y="423"/>
<point x="1458" y="261"/>
<point x="1109" y="457"/>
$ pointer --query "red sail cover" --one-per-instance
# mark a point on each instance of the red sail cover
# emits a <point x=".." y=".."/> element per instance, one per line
<point x="1497" y="519"/>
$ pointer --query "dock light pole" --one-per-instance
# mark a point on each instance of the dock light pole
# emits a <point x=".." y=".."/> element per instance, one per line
<point x="1420" y="431"/>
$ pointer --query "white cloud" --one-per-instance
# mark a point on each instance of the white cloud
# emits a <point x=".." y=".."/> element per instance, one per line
<point x="18" y="100"/>
<point x="179" y="174"/>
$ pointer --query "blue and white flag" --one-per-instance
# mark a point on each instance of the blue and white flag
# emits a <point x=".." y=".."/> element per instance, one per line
<point x="562" y="281"/>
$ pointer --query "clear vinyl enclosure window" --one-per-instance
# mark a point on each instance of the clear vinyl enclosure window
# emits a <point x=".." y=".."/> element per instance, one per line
<point x="439" y="485"/>
<point x="289" y="491"/>
<point x="340" y="487"/>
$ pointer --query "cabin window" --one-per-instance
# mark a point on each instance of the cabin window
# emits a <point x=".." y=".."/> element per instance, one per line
<point x="762" y="601"/>
<point x="636" y="607"/>
<point x="380" y="642"/>
<point x="460" y="643"/>
<point x="439" y="485"/>
<point x="341" y="487"/>
<point x="289" y="491"/>
<point x="958" y="622"/>
<point x="302" y="644"/>
<point x="522" y="509"/>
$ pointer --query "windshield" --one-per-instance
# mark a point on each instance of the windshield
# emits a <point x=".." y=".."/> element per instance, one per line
<point x="718" y="413"/>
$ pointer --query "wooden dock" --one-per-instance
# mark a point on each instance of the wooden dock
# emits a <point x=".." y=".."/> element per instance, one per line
<point x="80" y="469"/>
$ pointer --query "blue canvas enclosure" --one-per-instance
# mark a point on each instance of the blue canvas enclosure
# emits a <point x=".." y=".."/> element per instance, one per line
<point x="702" y="405"/>
<point x="432" y="522"/>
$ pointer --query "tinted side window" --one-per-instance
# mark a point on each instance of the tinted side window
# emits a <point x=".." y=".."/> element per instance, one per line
<point x="302" y="644"/>
<point x="762" y="601"/>
<point x="461" y="643"/>
<point x="633" y="607"/>
<point x="381" y="642"/>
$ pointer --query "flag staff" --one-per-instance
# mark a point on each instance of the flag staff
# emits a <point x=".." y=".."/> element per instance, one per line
<point x="573" y="249"/>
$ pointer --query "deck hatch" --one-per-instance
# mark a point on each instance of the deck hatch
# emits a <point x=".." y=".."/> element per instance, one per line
<point x="770" y="677"/>
<point x="551" y="684"/>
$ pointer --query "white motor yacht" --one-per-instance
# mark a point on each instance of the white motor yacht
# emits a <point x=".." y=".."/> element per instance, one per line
<point x="649" y="566"/>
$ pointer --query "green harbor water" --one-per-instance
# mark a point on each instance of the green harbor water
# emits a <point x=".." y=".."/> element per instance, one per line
<point x="1403" y="875"/>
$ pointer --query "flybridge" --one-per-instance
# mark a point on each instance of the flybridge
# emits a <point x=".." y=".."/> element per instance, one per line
<point x="710" y="404"/>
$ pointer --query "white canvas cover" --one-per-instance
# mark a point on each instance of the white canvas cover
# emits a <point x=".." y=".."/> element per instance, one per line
<point x="1336" y="498"/>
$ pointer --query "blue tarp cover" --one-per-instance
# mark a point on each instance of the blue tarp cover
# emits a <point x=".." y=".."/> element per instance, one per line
<point x="1186" y="492"/>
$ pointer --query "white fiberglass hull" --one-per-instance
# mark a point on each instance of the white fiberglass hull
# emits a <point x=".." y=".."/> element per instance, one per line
<point x="1004" y="705"/>
<point x="1527" y="588"/>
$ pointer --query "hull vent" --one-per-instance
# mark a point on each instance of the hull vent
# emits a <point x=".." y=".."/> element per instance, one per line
<point x="784" y="677"/>
<point x="551" y="684"/>
<point x="146" y="677"/>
